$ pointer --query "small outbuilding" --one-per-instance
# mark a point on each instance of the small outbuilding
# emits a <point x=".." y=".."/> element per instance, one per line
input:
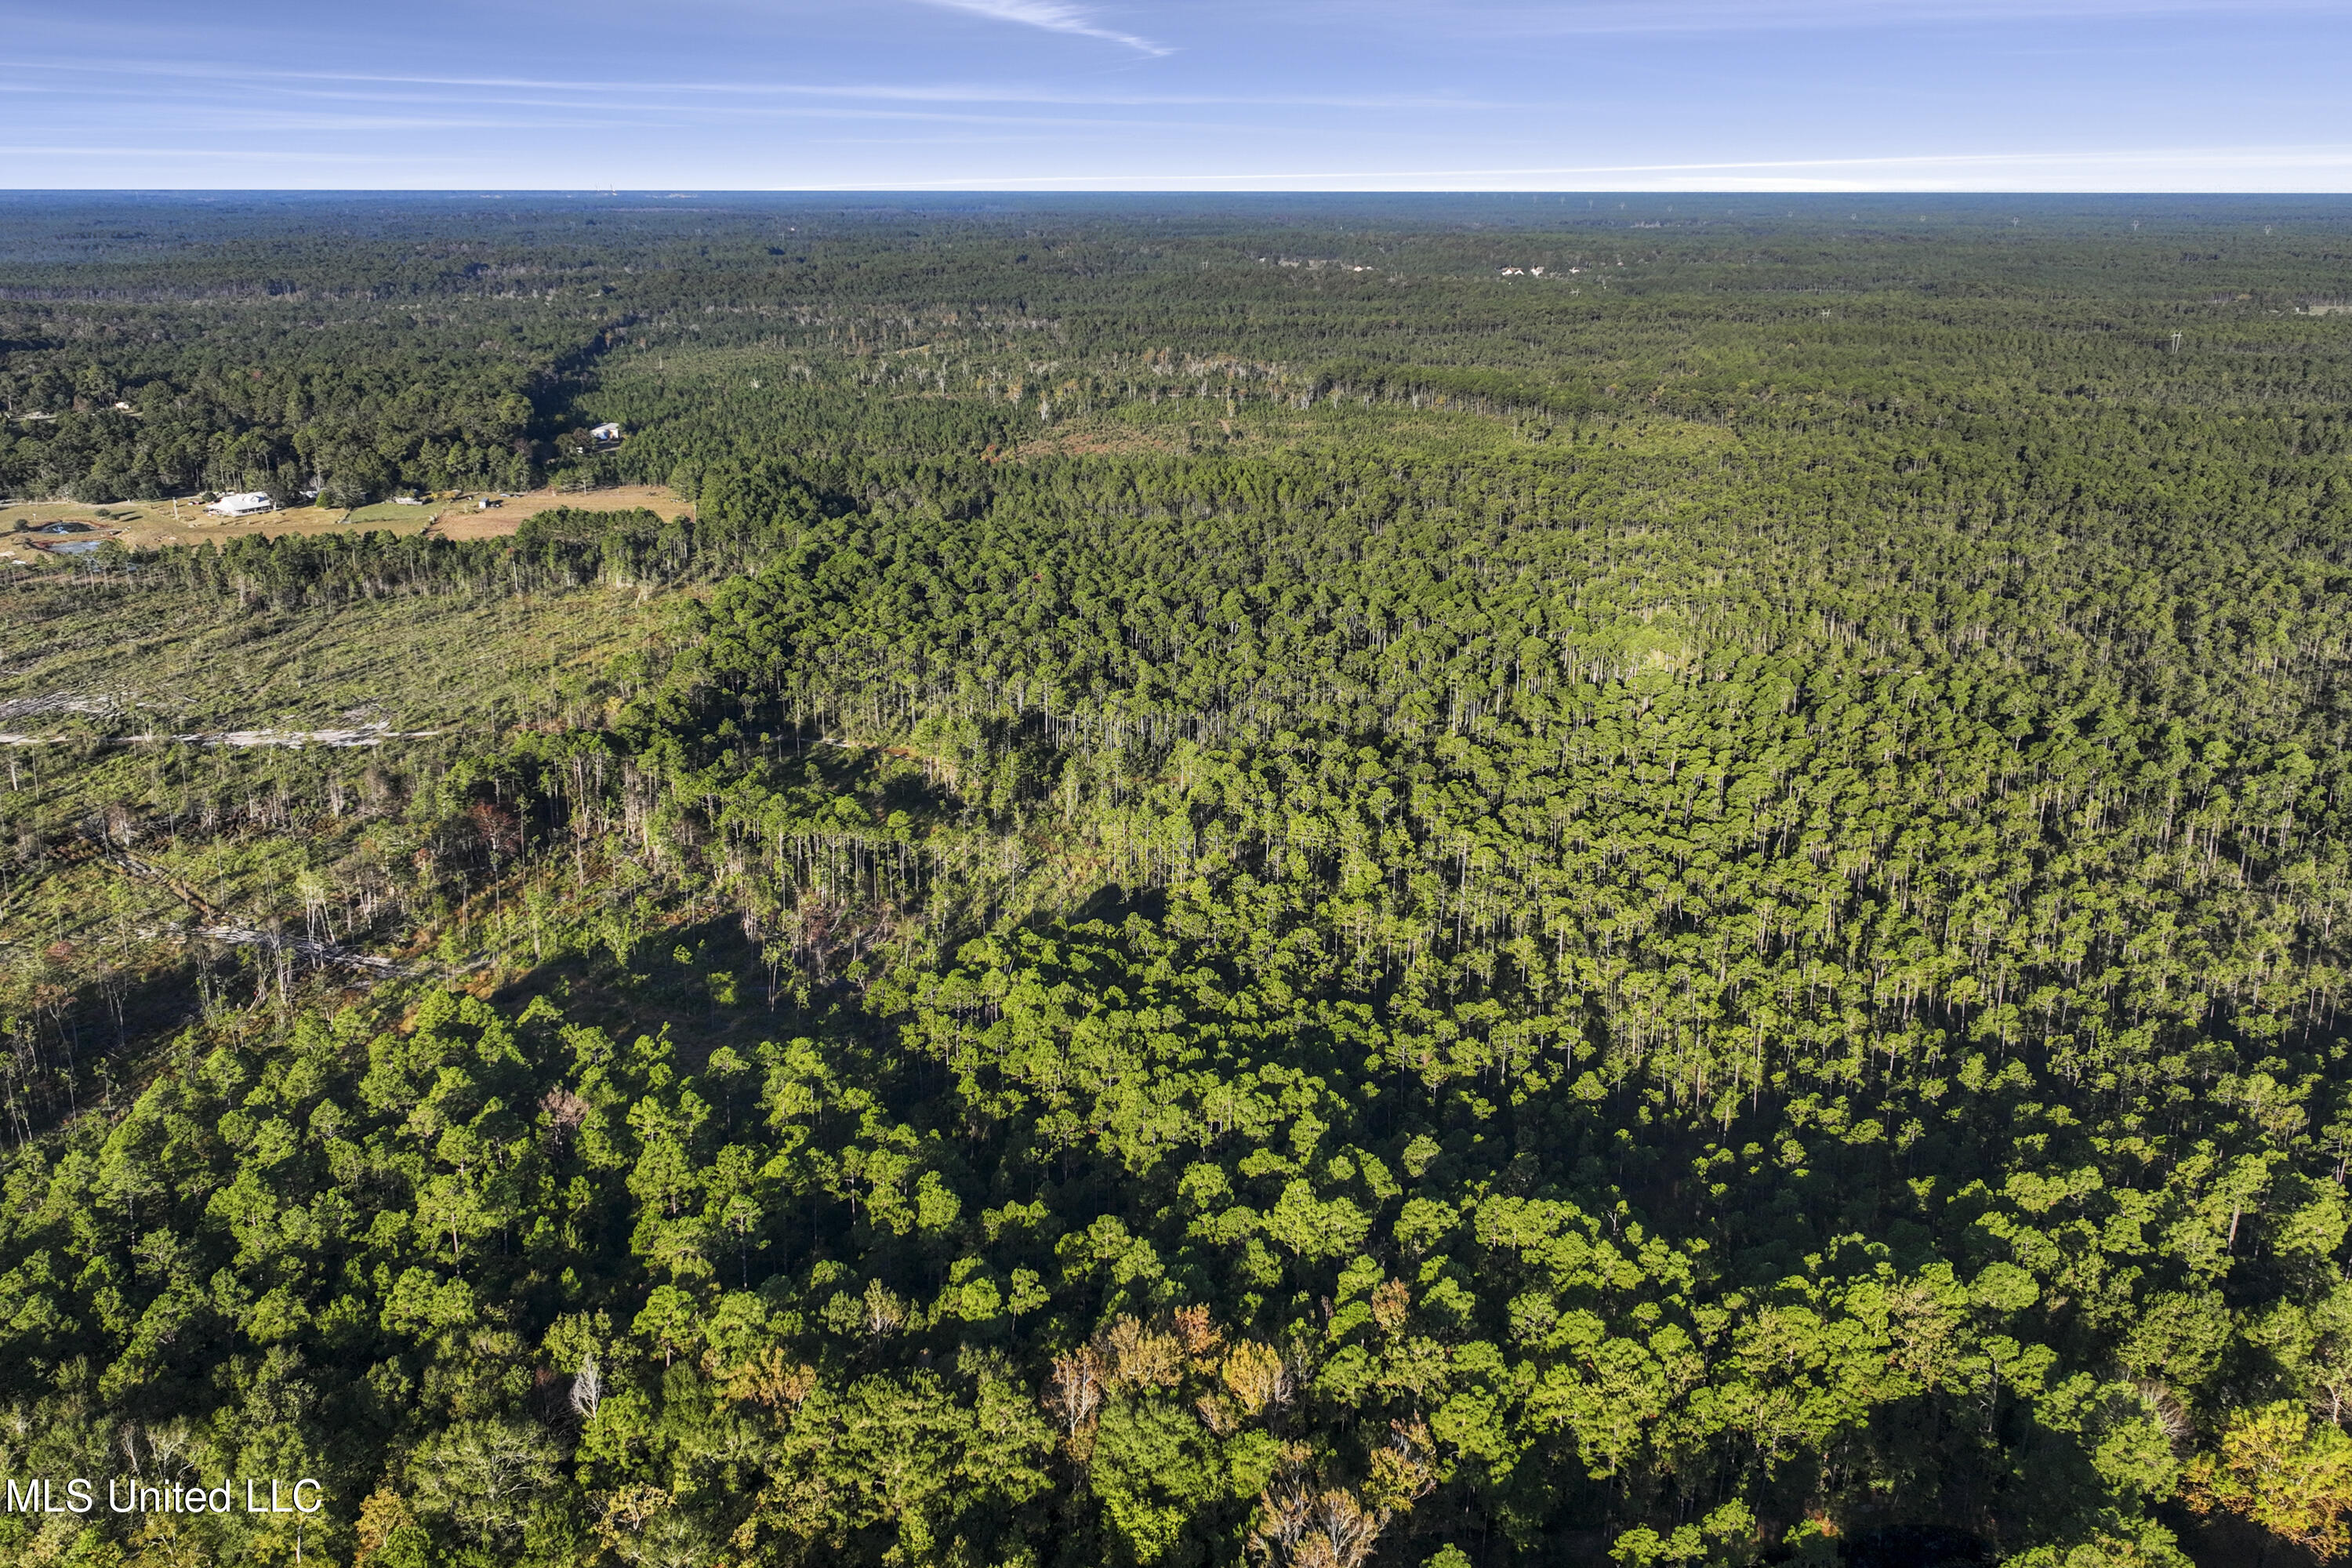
<point x="606" y="434"/>
<point x="245" y="503"/>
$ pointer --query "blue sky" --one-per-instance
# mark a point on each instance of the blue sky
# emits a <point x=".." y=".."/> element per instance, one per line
<point x="2042" y="95"/>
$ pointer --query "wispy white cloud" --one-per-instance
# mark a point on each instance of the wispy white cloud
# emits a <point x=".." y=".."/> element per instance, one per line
<point x="1252" y="94"/>
<point x="187" y="153"/>
<point x="2323" y="167"/>
<point x="1053" y="17"/>
<point x="129" y="77"/>
<point x="1492" y="19"/>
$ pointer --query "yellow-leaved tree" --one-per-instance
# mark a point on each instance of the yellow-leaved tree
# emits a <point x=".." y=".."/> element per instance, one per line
<point x="2287" y="1472"/>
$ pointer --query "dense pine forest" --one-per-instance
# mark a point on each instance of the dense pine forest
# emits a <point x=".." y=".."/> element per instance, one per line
<point x="1360" y="882"/>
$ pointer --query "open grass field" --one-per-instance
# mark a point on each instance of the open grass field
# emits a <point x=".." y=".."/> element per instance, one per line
<point x="393" y="514"/>
<point x="463" y="520"/>
<point x="18" y="516"/>
<point x="156" y="525"/>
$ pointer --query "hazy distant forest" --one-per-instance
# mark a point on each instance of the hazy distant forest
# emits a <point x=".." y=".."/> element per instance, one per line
<point x="1321" y="883"/>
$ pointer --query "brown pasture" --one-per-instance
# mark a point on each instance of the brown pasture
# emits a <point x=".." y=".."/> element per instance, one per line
<point x="150" y="524"/>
